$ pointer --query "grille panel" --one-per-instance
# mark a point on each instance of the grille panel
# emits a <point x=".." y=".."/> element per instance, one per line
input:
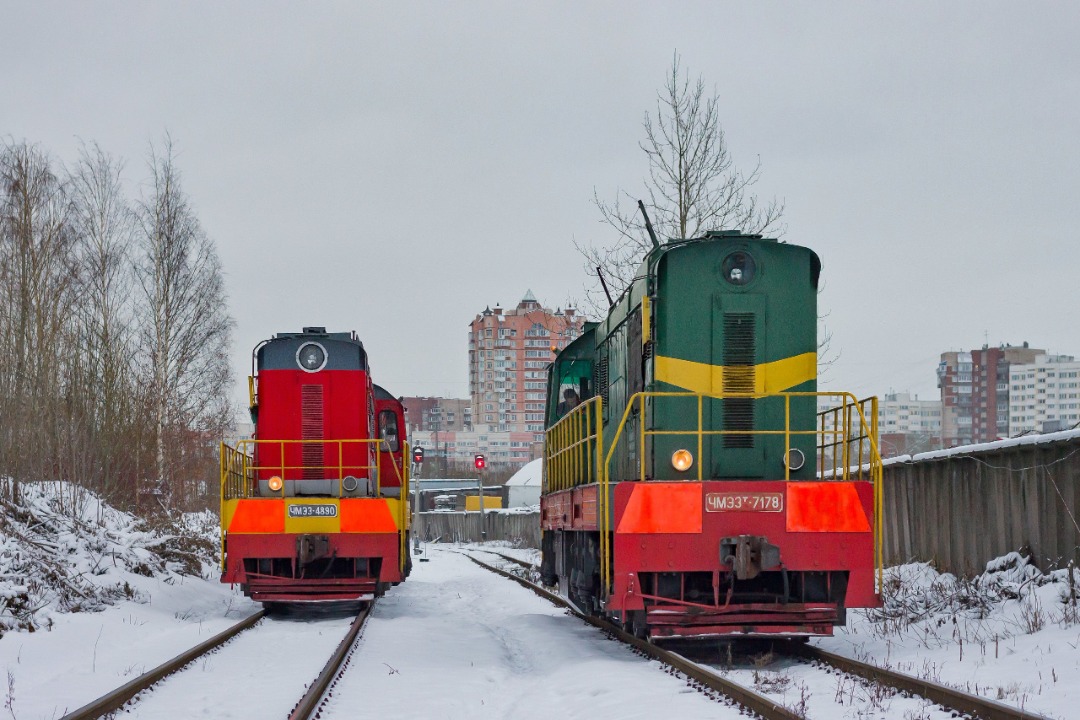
<point x="311" y="428"/>
<point x="740" y="349"/>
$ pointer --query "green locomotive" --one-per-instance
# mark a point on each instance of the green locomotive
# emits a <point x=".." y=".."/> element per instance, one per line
<point x="694" y="465"/>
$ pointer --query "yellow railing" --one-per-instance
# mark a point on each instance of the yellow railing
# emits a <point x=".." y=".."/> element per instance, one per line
<point x="573" y="447"/>
<point x="239" y="473"/>
<point x="245" y="449"/>
<point x="844" y="443"/>
<point x="403" y="504"/>
<point x="835" y="438"/>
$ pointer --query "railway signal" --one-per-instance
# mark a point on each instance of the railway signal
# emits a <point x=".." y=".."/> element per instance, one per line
<point x="479" y="462"/>
<point x="418" y="455"/>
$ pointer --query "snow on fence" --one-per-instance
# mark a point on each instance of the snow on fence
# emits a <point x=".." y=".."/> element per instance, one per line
<point x="962" y="507"/>
<point x="520" y="528"/>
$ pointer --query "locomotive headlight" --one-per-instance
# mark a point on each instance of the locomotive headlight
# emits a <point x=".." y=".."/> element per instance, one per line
<point x="794" y="460"/>
<point x="350" y="483"/>
<point x="682" y="460"/>
<point x="739" y="268"/>
<point x="311" y="357"/>
<point x="275" y="483"/>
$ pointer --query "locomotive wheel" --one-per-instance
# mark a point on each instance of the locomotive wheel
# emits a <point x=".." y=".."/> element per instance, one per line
<point x="635" y="624"/>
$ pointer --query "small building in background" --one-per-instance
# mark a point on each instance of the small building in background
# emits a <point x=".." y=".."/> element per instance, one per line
<point x="523" y="487"/>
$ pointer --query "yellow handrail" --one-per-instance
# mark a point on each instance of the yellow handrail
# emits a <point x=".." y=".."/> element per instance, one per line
<point x="242" y="449"/>
<point x="238" y="472"/>
<point x="403" y="495"/>
<point x="841" y="425"/>
<point x="569" y="447"/>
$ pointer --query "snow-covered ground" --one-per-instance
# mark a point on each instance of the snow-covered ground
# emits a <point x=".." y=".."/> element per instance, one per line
<point x="90" y="597"/>
<point x="261" y="673"/>
<point x="461" y="643"/>
<point x="1011" y="634"/>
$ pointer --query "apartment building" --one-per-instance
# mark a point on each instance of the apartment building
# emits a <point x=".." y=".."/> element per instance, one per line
<point x="509" y="352"/>
<point x="1044" y="395"/>
<point x="908" y="425"/>
<point x="975" y="392"/>
<point x="438" y="414"/>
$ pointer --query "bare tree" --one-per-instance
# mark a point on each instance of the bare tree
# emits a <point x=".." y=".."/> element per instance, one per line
<point x="102" y="332"/>
<point x="693" y="185"/>
<point x="187" y="328"/>
<point x="36" y="297"/>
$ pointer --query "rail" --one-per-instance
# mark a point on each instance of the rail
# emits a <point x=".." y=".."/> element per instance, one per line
<point x="116" y="699"/>
<point x="309" y="705"/>
<point x="756" y="703"/>
<point x="957" y="700"/>
<point x="947" y="697"/>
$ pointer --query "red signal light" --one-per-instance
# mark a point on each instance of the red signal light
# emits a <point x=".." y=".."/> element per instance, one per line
<point x="479" y="462"/>
<point x="418" y="455"/>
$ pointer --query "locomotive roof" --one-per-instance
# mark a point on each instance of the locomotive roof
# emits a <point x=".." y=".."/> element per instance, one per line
<point x="281" y="351"/>
<point x="320" y="332"/>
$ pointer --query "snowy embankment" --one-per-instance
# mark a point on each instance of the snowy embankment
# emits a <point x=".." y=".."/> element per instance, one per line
<point x="1011" y="634"/>
<point x="91" y="597"/>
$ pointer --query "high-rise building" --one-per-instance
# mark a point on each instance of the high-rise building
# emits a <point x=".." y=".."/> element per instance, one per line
<point x="509" y="352"/>
<point x="1044" y="394"/>
<point x="975" y="392"/>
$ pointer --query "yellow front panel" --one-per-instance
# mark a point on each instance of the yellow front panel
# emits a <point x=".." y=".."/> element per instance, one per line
<point x="319" y="525"/>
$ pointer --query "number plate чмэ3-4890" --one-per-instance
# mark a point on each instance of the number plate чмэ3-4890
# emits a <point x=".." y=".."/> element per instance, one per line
<point x="302" y="511"/>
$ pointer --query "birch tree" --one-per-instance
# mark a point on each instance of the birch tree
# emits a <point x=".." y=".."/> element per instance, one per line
<point x="36" y="297"/>
<point x="186" y="332"/>
<point x="103" y="323"/>
<point x="692" y="187"/>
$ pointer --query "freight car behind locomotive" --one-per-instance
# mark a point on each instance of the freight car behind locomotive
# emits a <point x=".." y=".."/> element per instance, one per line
<point x="312" y="506"/>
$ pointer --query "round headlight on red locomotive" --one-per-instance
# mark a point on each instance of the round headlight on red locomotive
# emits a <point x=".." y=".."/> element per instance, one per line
<point x="311" y="357"/>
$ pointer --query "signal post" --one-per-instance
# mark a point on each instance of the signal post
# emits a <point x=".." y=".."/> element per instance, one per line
<point x="418" y="461"/>
<point x="480" y="463"/>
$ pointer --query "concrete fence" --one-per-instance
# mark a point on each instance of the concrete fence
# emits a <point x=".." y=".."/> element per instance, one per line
<point x="522" y="529"/>
<point x="958" y="508"/>
<point x="961" y="508"/>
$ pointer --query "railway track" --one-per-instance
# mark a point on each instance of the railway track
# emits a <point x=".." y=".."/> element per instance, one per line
<point x="116" y="699"/>
<point x="305" y="708"/>
<point x="309" y="705"/>
<point x="950" y="699"/>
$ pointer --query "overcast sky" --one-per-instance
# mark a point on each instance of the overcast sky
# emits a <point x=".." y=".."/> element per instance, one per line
<point x="394" y="168"/>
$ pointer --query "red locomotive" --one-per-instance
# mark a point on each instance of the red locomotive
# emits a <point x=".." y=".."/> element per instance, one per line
<point x="312" y="506"/>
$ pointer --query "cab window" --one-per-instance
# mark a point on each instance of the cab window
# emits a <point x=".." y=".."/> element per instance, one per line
<point x="569" y="386"/>
<point x="388" y="431"/>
